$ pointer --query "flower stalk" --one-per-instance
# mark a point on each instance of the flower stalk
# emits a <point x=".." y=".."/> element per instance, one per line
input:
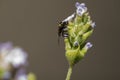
<point x="69" y="73"/>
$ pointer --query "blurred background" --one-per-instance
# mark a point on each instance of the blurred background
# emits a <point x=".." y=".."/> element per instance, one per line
<point x="33" y="24"/>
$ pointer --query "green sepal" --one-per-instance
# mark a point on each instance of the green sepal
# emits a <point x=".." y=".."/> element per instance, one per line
<point x="67" y="44"/>
<point x="78" y="19"/>
<point x="84" y="50"/>
<point x="85" y="18"/>
<point x="84" y="28"/>
<point x="86" y="35"/>
<point x="73" y="56"/>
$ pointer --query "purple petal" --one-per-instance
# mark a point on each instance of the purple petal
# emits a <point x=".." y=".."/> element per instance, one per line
<point x="88" y="45"/>
<point x="77" y="4"/>
<point x="82" y="4"/>
<point x="81" y="8"/>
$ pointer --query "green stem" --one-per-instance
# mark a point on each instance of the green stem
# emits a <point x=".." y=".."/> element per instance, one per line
<point x="69" y="73"/>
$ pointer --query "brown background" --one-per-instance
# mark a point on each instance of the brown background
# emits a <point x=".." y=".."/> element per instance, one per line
<point x="32" y="24"/>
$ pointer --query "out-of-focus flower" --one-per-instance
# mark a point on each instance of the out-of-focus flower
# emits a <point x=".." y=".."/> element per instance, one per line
<point x="13" y="61"/>
<point x="10" y="55"/>
<point x="17" y="57"/>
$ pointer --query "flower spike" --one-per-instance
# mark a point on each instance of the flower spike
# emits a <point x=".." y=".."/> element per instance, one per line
<point x="78" y="29"/>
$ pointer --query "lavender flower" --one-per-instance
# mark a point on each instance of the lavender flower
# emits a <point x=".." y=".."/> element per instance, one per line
<point x="88" y="45"/>
<point x="81" y="8"/>
<point x="80" y="27"/>
<point x="93" y="24"/>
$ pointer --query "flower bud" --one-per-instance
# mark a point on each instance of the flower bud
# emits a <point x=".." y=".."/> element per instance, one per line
<point x="86" y="35"/>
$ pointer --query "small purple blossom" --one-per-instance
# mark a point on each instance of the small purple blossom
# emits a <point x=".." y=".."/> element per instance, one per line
<point x="78" y="4"/>
<point x="81" y="8"/>
<point x="93" y="24"/>
<point x="88" y="45"/>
